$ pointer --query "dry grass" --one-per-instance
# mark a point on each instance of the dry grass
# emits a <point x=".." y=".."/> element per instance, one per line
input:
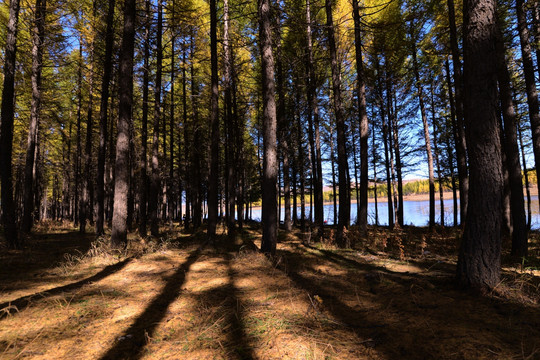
<point x="390" y="297"/>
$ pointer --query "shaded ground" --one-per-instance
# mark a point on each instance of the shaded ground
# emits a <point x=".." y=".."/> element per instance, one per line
<point x="390" y="298"/>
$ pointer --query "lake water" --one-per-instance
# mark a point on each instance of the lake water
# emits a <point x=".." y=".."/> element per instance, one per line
<point x="414" y="213"/>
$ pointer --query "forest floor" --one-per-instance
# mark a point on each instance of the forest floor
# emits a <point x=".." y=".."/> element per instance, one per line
<point x="67" y="296"/>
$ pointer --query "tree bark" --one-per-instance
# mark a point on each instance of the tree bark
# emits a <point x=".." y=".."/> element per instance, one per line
<point x="196" y="162"/>
<point x="530" y="83"/>
<point x="103" y="119"/>
<point x="143" y="187"/>
<point x="356" y="180"/>
<point x="284" y="128"/>
<point x="393" y="121"/>
<point x="230" y="123"/>
<point x="239" y="148"/>
<point x="66" y="188"/>
<point x="461" y="145"/>
<point x="517" y="204"/>
<point x="301" y="161"/>
<point x="6" y="130"/>
<point x="213" y="181"/>
<point x="38" y="36"/>
<point x="334" y="187"/>
<point x="186" y="138"/>
<point x="364" y="124"/>
<point x="78" y="154"/>
<point x="450" y="151"/>
<point x="131" y="166"/>
<point x="171" y="189"/>
<point x="155" y="178"/>
<point x="506" y="226"/>
<point x="479" y="258"/>
<point x="270" y="165"/>
<point x="386" y="141"/>
<point x="426" y="134"/>
<point x="437" y="162"/>
<point x="343" y="164"/>
<point x="87" y="186"/>
<point x="314" y="133"/>
<point x="375" y="200"/>
<point x="536" y="31"/>
<point x="393" y="147"/>
<point x="526" y="176"/>
<point x="121" y="180"/>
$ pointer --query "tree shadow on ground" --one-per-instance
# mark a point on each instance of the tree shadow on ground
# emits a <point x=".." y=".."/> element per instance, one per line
<point x="131" y="344"/>
<point x="19" y="304"/>
<point x="406" y="316"/>
<point x="42" y="251"/>
<point x="237" y="337"/>
<point x="359" y="265"/>
<point x="225" y="302"/>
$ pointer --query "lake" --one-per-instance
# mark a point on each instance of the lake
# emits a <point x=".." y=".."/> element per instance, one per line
<point x="414" y="213"/>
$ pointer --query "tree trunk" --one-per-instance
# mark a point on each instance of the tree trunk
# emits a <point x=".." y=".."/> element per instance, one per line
<point x="343" y="164"/>
<point x="394" y="191"/>
<point x="155" y="179"/>
<point x="196" y="162"/>
<point x="356" y="180"/>
<point x="87" y="186"/>
<point x="111" y="162"/>
<point x="295" y="195"/>
<point x="334" y="187"/>
<point x="186" y="138"/>
<point x="131" y="192"/>
<point x="38" y="35"/>
<point x="393" y="123"/>
<point x="213" y="181"/>
<point x="450" y="151"/>
<point x="6" y="130"/>
<point x="78" y="155"/>
<point x="517" y="205"/>
<point x="436" y="153"/>
<point x="121" y="180"/>
<point x="239" y="149"/>
<point x="364" y="124"/>
<point x="374" y="152"/>
<point x="461" y="145"/>
<point x="314" y="133"/>
<point x="530" y="83"/>
<point x="230" y="123"/>
<point x="506" y="226"/>
<point x="536" y="31"/>
<point x="172" y="188"/>
<point x="103" y="119"/>
<point x="393" y="147"/>
<point x="143" y="187"/>
<point x="284" y="127"/>
<point x="269" y="183"/>
<point x="426" y="135"/>
<point x="479" y="262"/>
<point x="301" y="162"/>
<point x="526" y="176"/>
<point x="386" y="141"/>
<point x="66" y="188"/>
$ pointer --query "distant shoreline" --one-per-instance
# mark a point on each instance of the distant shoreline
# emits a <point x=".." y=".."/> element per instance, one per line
<point x="418" y="197"/>
<point x="447" y="195"/>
